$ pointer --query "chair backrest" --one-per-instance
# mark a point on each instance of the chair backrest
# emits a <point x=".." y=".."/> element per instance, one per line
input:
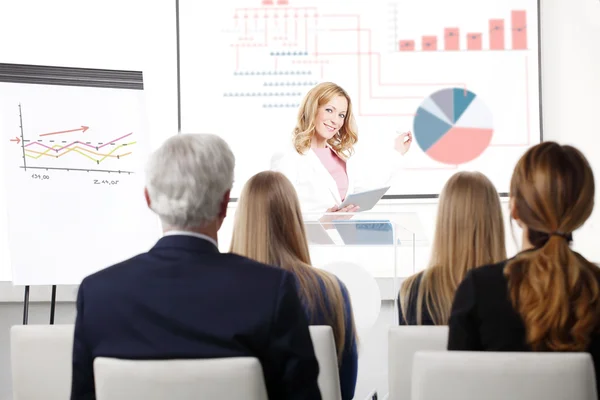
<point x="217" y="378"/>
<point x="329" y="376"/>
<point x="403" y="343"/>
<point x="41" y="361"/>
<point x="454" y="375"/>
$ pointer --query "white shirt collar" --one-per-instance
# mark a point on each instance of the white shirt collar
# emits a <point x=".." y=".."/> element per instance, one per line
<point x="194" y="234"/>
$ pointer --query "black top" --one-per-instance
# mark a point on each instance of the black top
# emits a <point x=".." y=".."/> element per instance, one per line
<point x="184" y="299"/>
<point x="483" y="318"/>
<point x="411" y="310"/>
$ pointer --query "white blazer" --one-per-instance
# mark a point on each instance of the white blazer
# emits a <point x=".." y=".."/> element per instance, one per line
<point x="316" y="188"/>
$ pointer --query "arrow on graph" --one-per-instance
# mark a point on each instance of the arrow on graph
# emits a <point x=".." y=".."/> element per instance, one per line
<point x="82" y="129"/>
<point x="16" y="139"/>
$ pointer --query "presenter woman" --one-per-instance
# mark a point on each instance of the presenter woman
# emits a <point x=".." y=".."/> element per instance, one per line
<point x="320" y="163"/>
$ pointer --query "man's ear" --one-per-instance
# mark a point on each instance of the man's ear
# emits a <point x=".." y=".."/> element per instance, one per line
<point x="147" y="196"/>
<point x="224" y="204"/>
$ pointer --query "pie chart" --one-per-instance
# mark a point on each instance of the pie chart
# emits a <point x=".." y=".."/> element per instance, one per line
<point x="453" y="126"/>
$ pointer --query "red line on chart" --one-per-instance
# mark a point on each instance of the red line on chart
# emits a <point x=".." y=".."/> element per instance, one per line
<point x="370" y="75"/>
<point x="369" y="53"/>
<point x="296" y="30"/>
<point x="266" y="34"/>
<point x="83" y="128"/>
<point x="83" y="143"/>
<point x="306" y="35"/>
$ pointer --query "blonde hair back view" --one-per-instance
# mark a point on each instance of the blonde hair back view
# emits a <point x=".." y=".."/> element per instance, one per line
<point x="469" y="233"/>
<point x="554" y="289"/>
<point x="269" y="228"/>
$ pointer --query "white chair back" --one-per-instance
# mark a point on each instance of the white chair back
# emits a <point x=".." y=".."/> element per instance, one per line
<point x="457" y="375"/>
<point x="329" y="378"/>
<point x="217" y="378"/>
<point x="403" y="343"/>
<point x="41" y="361"/>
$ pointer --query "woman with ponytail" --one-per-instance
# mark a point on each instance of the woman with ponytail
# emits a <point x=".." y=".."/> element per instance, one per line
<point x="546" y="298"/>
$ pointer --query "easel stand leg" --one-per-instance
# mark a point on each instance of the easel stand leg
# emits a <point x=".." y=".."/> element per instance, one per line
<point x="26" y="306"/>
<point x="53" y="305"/>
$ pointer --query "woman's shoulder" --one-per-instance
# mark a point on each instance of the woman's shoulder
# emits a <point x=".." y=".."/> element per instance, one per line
<point x="486" y="280"/>
<point x="285" y="157"/>
<point x="413" y="282"/>
<point x="332" y="278"/>
<point x="489" y="272"/>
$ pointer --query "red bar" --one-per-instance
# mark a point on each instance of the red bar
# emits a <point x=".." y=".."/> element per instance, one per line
<point x="407" y="45"/>
<point x="282" y="2"/>
<point x="429" y="43"/>
<point x="267" y="2"/>
<point x="451" y="39"/>
<point x="519" y="30"/>
<point x="474" y="41"/>
<point x="496" y="34"/>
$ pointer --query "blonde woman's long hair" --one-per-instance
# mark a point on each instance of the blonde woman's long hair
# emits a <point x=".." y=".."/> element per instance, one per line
<point x="554" y="289"/>
<point x="469" y="233"/>
<point x="269" y="228"/>
<point x="343" y="141"/>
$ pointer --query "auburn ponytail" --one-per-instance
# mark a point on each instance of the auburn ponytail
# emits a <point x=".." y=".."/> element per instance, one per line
<point x="555" y="290"/>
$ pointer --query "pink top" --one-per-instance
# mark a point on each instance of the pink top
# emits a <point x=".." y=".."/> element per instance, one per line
<point x="336" y="167"/>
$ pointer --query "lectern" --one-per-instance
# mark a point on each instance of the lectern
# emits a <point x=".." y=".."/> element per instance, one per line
<point x="369" y="252"/>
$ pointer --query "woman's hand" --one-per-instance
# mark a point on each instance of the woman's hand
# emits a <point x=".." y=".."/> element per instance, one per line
<point x="402" y="142"/>
<point x="351" y="208"/>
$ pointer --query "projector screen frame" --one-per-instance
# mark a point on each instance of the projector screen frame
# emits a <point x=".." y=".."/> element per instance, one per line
<point x="393" y="196"/>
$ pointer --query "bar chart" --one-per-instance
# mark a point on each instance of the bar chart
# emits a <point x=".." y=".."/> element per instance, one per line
<point x="495" y="38"/>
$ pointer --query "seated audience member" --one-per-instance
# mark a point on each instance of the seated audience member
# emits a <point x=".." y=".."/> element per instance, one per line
<point x="185" y="300"/>
<point x="269" y="228"/>
<point x="469" y="232"/>
<point x="546" y="298"/>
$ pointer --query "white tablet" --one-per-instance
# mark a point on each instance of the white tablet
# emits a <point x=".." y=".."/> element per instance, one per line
<point x="365" y="200"/>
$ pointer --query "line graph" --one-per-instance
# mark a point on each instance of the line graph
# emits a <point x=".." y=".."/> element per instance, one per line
<point x="80" y="150"/>
<point x="52" y="151"/>
<point x="79" y="142"/>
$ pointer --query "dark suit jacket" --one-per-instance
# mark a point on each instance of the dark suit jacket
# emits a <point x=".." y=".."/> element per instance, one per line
<point x="411" y="310"/>
<point x="483" y="317"/>
<point x="184" y="299"/>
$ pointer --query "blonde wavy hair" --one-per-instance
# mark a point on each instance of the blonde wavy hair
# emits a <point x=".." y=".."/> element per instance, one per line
<point x="469" y="233"/>
<point x="555" y="290"/>
<point x="269" y="228"/>
<point x="343" y="141"/>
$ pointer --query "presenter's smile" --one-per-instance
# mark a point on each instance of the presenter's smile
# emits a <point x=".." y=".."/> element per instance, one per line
<point x="330" y="128"/>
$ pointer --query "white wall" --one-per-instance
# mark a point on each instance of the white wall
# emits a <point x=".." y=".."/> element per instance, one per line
<point x="571" y="92"/>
